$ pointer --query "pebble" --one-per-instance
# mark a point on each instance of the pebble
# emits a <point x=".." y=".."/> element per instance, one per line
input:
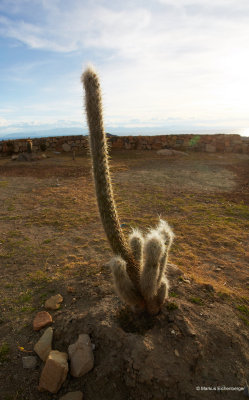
<point x="177" y="353"/>
<point x="29" y="362"/>
<point x="42" y="319"/>
<point x="53" y="303"/>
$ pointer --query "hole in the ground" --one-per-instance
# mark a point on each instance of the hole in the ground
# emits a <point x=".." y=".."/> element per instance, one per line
<point x="131" y="322"/>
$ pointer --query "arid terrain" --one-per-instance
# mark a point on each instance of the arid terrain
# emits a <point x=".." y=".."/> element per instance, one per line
<point x="52" y="241"/>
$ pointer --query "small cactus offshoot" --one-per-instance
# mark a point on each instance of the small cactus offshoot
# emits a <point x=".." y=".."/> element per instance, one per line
<point x="151" y="252"/>
<point x="139" y="265"/>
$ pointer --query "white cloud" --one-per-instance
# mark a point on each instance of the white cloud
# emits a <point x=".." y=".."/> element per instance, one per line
<point x="3" y="122"/>
<point x="165" y="59"/>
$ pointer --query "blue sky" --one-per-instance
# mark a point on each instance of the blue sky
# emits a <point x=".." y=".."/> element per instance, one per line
<point x="162" y="63"/>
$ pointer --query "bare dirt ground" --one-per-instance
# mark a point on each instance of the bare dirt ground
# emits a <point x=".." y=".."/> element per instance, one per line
<point x="52" y="241"/>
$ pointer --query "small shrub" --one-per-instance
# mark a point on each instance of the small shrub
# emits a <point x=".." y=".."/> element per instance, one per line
<point x="4" y="351"/>
<point x="43" y="146"/>
<point x="196" y="300"/>
<point x="172" y="306"/>
<point x="173" y="294"/>
<point x="242" y="308"/>
<point x="244" y="319"/>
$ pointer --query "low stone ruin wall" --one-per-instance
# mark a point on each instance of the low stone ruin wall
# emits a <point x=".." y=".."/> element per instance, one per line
<point x="201" y="143"/>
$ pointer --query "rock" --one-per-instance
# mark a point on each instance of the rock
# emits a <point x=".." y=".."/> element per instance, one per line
<point x="22" y="157"/>
<point x="72" y="396"/>
<point x="186" y="327"/>
<point x="44" y="345"/>
<point x="177" y="353"/>
<point x="29" y="362"/>
<point x="53" y="303"/>
<point x="178" y="152"/>
<point x="66" y="147"/>
<point x="210" y="148"/>
<point x="173" y="271"/>
<point x="81" y="356"/>
<point x="171" y="152"/>
<point x="42" y="319"/>
<point x="54" y="372"/>
<point x="165" y="152"/>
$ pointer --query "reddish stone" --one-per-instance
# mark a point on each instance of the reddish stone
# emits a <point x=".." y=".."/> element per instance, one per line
<point x="42" y="319"/>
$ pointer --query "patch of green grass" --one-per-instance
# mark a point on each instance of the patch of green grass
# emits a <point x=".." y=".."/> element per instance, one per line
<point x="3" y="183"/>
<point x="196" y="300"/>
<point x="172" y="306"/>
<point x="27" y="309"/>
<point x="47" y="241"/>
<point x="9" y="285"/>
<point x="13" y="234"/>
<point x="245" y="299"/>
<point x="223" y="295"/>
<point x="244" y="319"/>
<point x="43" y="296"/>
<point x="4" y="351"/>
<point x="239" y="210"/>
<point x="25" y="297"/>
<point x="39" y="277"/>
<point x="173" y="294"/>
<point x="242" y="308"/>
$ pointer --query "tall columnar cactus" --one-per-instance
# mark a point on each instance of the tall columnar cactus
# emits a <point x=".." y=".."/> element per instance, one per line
<point x="139" y="265"/>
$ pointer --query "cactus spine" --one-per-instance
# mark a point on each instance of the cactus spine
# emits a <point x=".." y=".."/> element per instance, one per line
<point x="138" y="266"/>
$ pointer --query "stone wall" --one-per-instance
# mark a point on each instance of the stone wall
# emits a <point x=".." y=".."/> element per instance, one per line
<point x="203" y="143"/>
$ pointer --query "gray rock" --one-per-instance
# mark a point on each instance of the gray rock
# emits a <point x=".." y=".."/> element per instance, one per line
<point x="171" y="152"/>
<point x="44" y="344"/>
<point x="165" y="152"/>
<point x="81" y="356"/>
<point x="29" y="362"/>
<point x="66" y="147"/>
<point x="72" y="396"/>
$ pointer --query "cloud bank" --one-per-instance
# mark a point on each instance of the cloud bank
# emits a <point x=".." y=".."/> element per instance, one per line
<point x="158" y="60"/>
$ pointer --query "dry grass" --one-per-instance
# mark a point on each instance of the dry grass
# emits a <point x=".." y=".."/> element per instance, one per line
<point x="51" y="224"/>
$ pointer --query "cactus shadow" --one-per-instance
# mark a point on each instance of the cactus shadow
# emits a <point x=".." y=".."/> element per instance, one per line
<point x="132" y="322"/>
